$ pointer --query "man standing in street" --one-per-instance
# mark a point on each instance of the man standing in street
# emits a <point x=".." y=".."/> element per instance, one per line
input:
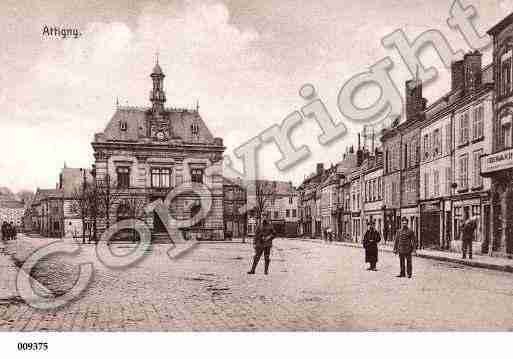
<point x="467" y="236"/>
<point x="264" y="236"/>
<point x="405" y="244"/>
<point x="370" y="243"/>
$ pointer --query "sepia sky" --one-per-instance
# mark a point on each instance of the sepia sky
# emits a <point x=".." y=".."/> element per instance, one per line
<point x="243" y="60"/>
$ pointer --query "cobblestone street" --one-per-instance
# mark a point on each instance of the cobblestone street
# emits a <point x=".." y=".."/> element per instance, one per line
<point x="311" y="286"/>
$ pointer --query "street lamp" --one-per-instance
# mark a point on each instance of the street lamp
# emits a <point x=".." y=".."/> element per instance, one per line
<point x="453" y="190"/>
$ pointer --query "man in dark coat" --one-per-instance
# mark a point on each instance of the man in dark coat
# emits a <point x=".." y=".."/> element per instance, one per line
<point x="370" y="243"/>
<point x="467" y="236"/>
<point x="12" y="232"/>
<point x="405" y="244"/>
<point x="264" y="236"/>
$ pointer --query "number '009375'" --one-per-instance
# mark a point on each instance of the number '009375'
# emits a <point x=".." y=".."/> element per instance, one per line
<point x="35" y="346"/>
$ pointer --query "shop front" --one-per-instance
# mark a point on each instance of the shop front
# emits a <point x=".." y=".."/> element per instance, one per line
<point x="431" y="225"/>
<point x="499" y="167"/>
<point x="391" y="223"/>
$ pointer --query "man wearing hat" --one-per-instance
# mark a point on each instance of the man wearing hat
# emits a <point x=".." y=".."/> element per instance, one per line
<point x="405" y="244"/>
<point x="263" y="242"/>
<point x="370" y="243"/>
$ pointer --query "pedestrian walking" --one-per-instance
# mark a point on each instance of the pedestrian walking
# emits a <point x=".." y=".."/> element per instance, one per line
<point x="405" y="244"/>
<point x="467" y="237"/>
<point x="263" y="243"/>
<point x="370" y="243"/>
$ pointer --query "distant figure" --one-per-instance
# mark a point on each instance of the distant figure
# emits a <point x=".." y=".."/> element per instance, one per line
<point x="12" y="231"/>
<point x="4" y="231"/>
<point x="263" y="243"/>
<point x="385" y="232"/>
<point x="370" y="243"/>
<point x="467" y="236"/>
<point x="329" y="234"/>
<point x="405" y="244"/>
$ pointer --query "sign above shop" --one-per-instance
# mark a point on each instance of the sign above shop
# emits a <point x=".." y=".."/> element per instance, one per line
<point x="497" y="161"/>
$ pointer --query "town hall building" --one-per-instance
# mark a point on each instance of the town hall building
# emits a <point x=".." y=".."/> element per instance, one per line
<point x="144" y="153"/>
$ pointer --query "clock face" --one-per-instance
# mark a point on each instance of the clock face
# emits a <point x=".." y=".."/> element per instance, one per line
<point x="160" y="136"/>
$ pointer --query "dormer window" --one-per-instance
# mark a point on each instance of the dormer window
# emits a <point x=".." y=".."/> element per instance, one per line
<point x="195" y="129"/>
<point x="123" y="126"/>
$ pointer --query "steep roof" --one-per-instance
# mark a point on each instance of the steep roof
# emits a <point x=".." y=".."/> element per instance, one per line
<point x="137" y="120"/>
<point x="501" y="25"/>
<point x="42" y="194"/>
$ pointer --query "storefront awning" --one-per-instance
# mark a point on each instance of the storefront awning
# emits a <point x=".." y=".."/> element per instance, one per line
<point x="495" y="162"/>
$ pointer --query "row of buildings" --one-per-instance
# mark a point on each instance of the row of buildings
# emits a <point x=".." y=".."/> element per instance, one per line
<point x="438" y="164"/>
<point x="426" y="168"/>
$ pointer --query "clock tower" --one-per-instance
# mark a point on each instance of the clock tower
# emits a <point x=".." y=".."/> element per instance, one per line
<point x="159" y="123"/>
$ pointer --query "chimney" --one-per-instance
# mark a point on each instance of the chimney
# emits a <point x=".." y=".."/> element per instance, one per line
<point x="472" y="71"/>
<point x="414" y="101"/>
<point x="320" y="168"/>
<point x="457" y="75"/>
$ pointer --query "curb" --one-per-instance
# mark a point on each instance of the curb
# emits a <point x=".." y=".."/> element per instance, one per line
<point x="468" y="263"/>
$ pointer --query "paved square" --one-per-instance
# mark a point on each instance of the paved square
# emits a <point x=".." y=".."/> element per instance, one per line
<point x="311" y="286"/>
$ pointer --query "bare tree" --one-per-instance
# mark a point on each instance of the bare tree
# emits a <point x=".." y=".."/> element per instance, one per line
<point x="81" y="205"/>
<point x="264" y="194"/>
<point x="106" y="198"/>
<point x="26" y="196"/>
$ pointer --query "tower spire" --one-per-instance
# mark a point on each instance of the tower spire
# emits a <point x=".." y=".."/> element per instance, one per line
<point x="157" y="95"/>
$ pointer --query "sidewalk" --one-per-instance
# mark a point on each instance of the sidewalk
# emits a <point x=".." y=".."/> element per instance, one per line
<point x="8" y="272"/>
<point x="478" y="261"/>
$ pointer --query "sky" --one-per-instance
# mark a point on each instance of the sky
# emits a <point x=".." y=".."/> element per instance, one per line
<point x="243" y="60"/>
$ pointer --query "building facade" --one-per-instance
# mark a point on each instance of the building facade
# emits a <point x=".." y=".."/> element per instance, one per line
<point x="499" y="164"/>
<point x="373" y="193"/>
<point x="391" y="142"/>
<point x="147" y="152"/>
